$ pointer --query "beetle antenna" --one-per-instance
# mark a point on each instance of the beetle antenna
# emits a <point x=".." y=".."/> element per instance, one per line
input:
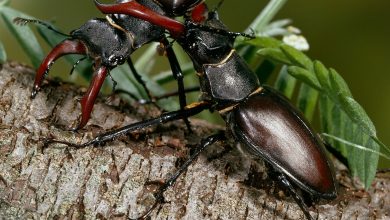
<point x="194" y="25"/>
<point x="75" y="65"/>
<point x="24" y="21"/>
<point x="218" y="6"/>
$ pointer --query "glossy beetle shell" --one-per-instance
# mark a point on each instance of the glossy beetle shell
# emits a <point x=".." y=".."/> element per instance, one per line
<point x="142" y="31"/>
<point x="97" y="34"/>
<point x="229" y="82"/>
<point x="273" y="129"/>
<point x="178" y="7"/>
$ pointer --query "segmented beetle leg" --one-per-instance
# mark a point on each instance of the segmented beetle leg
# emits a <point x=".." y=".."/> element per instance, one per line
<point x="298" y="199"/>
<point x="139" y="79"/>
<point x="159" y="195"/>
<point x="178" y="75"/>
<point x="65" y="47"/>
<point x="49" y="141"/>
<point x="88" y="99"/>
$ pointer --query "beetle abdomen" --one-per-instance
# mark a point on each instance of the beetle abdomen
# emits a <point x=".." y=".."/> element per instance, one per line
<point x="273" y="129"/>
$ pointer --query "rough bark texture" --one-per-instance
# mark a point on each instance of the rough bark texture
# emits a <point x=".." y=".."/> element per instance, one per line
<point x="109" y="181"/>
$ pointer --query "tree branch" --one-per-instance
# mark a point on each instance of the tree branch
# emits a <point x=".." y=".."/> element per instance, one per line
<point x="109" y="181"/>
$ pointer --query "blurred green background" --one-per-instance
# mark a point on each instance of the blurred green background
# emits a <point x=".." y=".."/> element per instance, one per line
<point x="350" y="36"/>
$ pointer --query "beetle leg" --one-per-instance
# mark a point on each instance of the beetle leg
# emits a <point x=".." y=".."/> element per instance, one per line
<point x="63" y="48"/>
<point x="135" y="9"/>
<point x="88" y="99"/>
<point x="139" y="79"/>
<point x="298" y="199"/>
<point x="178" y="75"/>
<point x="199" y="13"/>
<point x="159" y="197"/>
<point x="156" y="98"/>
<point x="190" y="110"/>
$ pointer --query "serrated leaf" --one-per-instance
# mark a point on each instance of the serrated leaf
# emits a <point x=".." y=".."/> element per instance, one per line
<point x="274" y="54"/>
<point x="341" y="115"/>
<point x="335" y="121"/>
<point x="307" y="101"/>
<point x="249" y="54"/>
<point x="357" y="114"/>
<point x="23" y="34"/>
<point x="338" y="84"/>
<point x="329" y="119"/>
<point x="285" y="83"/>
<point x="297" y="57"/>
<point x="382" y="145"/>
<point x="304" y="75"/>
<point x="264" y="42"/>
<point x="322" y="75"/>
<point x="264" y="70"/>
<point x="277" y="28"/>
<point x="279" y="23"/>
<point x="3" y="55"/>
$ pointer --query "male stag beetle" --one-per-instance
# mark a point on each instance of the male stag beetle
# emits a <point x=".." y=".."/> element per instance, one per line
<point x="108" y="42"/>
<point x="258" y="117"/>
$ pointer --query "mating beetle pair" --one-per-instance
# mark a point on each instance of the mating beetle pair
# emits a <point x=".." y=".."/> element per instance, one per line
<point x="258" y="117"/>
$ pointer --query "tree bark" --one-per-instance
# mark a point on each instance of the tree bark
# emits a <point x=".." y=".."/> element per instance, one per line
<point x="106" y="182"/>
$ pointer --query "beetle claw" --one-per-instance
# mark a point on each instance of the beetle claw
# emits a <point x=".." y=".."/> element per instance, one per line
<point x="88" y="99"/>
<point x="65" y="47"/>
<point x="34" y="92"/>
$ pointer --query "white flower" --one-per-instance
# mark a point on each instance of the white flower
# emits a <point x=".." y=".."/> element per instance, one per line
<point x="299" y="42"/>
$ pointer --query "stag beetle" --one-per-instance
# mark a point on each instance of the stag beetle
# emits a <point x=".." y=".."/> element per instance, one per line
<point x="108" y="43"/>
<point x="257" y="117"/>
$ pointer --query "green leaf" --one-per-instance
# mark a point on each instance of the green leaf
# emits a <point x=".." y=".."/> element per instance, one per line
<point x="264" y="70"/>
<point x="3" y="55"/>
<point x="4" y="2"/>
<point x="24" y="35"/>
<point x="274" y="54"/>
<point x="382" y="145"/>
<point x="357" y="114"/>
<point x="167" y="77"/>
<point x="297" y="57"/>
<point x="331" y="122"/>
<point x="305" y="76"/>
<point x="307" y="101"/>
<point x="285" y="83"/>
<point x="126" y="80"/>
<point x="264" y="42"/>
<point x="322" y="75"/>
<point x="338" y="84"/>
<point x="340" y="115"/>
<point x="144" y="65"/>
<point x="277" y="28"/>
<point x="356" y="145"/>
